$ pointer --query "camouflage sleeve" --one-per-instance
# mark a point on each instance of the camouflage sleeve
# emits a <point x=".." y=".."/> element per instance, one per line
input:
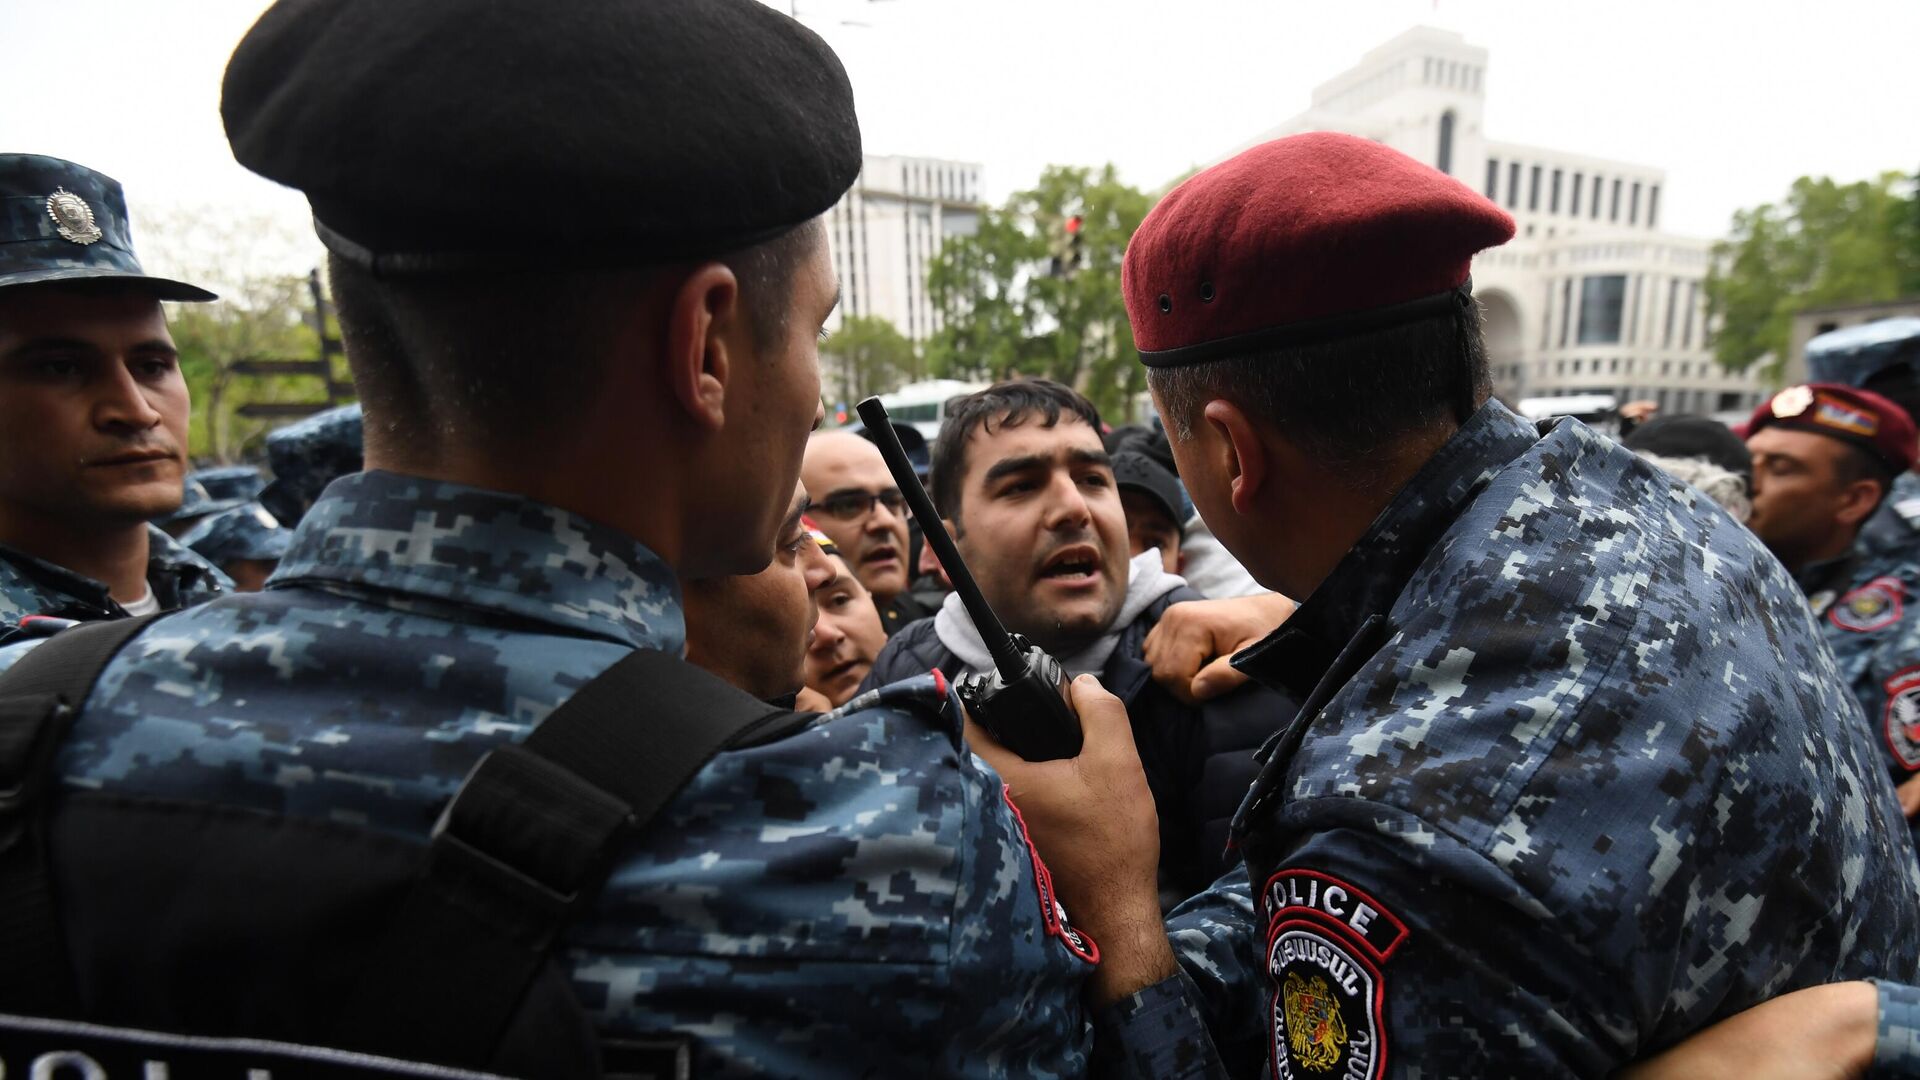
<point x="1381" y="949"/>
<point x="1896" y="1047"/>
<point x="1155" y="1034"/>
<point x="1215" y="938"/>
<point x="858" y="898"/>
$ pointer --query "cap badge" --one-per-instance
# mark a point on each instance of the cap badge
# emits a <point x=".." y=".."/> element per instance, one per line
<point x="1792" y="401"/>
<point x="72" y="217"/>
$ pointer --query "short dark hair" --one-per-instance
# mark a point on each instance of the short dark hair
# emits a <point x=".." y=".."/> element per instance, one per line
<point x="1857" y="463"/>
<point x="1005" y="404"/>
<point x="1343" y="402"/>
<point x="513" y="357"/>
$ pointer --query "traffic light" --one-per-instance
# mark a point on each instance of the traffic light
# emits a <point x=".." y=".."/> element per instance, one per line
<point x="1067" y="256"/>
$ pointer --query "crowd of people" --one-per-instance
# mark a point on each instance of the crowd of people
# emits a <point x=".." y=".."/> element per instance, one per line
<point x="576" y="705"/>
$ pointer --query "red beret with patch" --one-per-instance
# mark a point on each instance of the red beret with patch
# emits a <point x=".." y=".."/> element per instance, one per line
<point x="1301" y="240"/>
<point x="1861" y="417"/>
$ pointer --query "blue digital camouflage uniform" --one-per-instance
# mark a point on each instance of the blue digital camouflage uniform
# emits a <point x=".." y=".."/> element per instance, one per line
<point x="34" y="586"/>
<point x="855" y="899"/>
<point x="1576" y="779"/>
<point x="1896" y="1045"/>
<point x="1865" y="604"/>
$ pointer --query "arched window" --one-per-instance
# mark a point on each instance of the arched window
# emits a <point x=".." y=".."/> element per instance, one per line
<point x="1446" y="141"/>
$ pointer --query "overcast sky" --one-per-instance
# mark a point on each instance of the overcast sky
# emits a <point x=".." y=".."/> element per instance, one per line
<point x="1733" y="99"/>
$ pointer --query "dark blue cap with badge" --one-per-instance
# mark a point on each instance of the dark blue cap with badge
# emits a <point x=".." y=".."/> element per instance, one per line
<point x="62" y="222"/>
<point x="244" y="532"/>
<point x="237" y="482"/>
<point x="211" y="491"/>
<point x="309" y="454"/>
<point x="435" y="137"/>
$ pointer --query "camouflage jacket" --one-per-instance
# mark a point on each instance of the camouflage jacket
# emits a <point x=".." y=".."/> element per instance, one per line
<point x="34" y="586"/>
<point x="1575" y="778"/>
<point x="858" y="898"/>
<point x="1865" y="602"/>
<point x="1895" y="528"/>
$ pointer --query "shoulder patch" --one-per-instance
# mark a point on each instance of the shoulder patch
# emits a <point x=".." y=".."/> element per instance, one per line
<point x="1326" y="943"/>
<point x="1053" y="915"/>
<point x="1901" y="724"/>
<point x="1873" y="606"/>
<point x="1909" y="511"/>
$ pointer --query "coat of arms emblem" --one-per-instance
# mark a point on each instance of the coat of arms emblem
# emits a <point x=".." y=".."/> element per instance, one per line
<point x="1315" y="1031"/>
<point x="72" y="217"/>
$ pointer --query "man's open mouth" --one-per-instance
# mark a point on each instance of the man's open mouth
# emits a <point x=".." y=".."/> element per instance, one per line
<point x="1077" y="562"/>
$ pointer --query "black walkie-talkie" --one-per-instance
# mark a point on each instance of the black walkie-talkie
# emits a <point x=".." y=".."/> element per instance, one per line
<point x="1022" y="702"/>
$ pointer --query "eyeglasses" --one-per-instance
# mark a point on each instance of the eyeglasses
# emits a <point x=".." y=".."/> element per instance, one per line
<point x="848" y="505"/>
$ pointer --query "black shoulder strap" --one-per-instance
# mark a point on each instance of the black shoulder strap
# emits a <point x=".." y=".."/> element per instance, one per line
<point x="526" y="843"/>
<point x="38" y="698"/>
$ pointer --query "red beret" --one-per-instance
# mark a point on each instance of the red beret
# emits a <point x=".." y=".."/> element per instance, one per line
<point x="1860" y="417"/>
<point x="1303" y="239"/>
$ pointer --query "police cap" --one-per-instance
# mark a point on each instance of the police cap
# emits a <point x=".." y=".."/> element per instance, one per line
<point x="439" y="136"/>
<point x="243" y="532"/>
<point x="65" y="222"/>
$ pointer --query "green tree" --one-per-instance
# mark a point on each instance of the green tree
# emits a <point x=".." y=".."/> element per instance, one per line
<point x="865" y="356"/>
<point x="1006" y="309"/>
<point x="1827" y="243"/>
<point x="263" y="313"/>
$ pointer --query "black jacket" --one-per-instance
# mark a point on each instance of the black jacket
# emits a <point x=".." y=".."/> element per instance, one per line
<point x="1198" y="760"/>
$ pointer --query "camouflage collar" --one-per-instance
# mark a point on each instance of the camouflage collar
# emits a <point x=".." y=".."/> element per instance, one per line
<point x="1829" y="575"/>
<point x="177" y="576"/>
<point x="386" y="533"/>
<point x="1377" y="569"/>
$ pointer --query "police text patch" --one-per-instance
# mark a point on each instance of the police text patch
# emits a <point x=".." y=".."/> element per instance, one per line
<point x="1326" y="942"/>
<point x="1902" y="721"/>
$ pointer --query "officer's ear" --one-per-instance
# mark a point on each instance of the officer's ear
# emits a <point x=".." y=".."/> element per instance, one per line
<point x="1245" y="457"/>
<point x="703" y="323"/>
<point x="1859" y="500"/>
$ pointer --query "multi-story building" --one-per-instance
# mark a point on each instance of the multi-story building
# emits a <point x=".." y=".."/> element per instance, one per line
<point x="1591" y="296"/>
<point x="889" y="226"/>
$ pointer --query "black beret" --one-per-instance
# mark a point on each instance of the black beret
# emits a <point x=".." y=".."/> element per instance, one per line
<point x="435" y="136"/>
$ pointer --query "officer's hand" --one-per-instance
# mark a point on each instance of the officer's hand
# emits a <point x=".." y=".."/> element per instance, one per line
<point x="1820" y="1033"/>
<point x="1092" y="817"/>
<point x="1909" y="792"/>
<point x="1190" y="648"/>
<point x="811" y="700"/>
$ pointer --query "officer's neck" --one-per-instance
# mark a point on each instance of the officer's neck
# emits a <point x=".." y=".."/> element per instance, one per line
<point x="580" y="488"/>
<point x="1835" y="546"/>
<point x="1323" y="514"/>
<point x="113" y="553"/>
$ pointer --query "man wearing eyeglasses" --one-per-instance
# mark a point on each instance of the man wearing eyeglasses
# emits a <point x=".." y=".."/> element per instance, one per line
<point x="857" y="504"/>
